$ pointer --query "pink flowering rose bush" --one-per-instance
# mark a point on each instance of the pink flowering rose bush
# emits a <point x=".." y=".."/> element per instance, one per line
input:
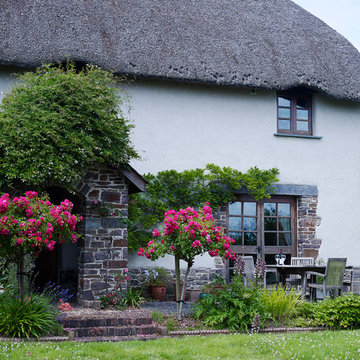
<point x="186" y="234"/>
<point x="30" y="224"/>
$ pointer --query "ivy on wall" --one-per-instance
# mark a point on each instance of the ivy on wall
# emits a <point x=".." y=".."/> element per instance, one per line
<point x="59" y="120"/>
<point x="171" y="189"/>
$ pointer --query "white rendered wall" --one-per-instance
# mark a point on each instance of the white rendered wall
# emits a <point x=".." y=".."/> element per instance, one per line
<point x="186" y="126"/>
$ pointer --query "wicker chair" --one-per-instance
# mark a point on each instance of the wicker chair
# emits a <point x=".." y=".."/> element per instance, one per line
<point x="333" y="278"/>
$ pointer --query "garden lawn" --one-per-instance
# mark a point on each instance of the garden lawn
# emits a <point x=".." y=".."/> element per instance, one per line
<point x="321" y="345"/>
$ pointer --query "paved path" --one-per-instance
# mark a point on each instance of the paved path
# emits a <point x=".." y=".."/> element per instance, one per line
<point x="166" y="307"/>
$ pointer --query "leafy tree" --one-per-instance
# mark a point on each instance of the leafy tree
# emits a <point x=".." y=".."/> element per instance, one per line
<point x="57" y="121"/>
<point x="171" y="189"/>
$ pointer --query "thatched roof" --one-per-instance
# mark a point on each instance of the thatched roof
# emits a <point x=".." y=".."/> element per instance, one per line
<point x="271" y="44"/>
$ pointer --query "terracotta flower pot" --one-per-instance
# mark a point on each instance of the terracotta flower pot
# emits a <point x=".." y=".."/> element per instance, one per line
<point x="158" y="292"/>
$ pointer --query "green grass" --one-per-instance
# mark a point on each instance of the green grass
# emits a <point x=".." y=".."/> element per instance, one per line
<point x="322" y="345"/>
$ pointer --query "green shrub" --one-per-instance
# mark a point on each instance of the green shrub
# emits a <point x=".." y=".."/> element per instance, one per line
<point x="157" y="316"/>
<point x="31" y="316"/>
<point x="233" y="308"/>
<point x="121" y="300"/>
<point x="279" y="304"/>
<point x="343" y="312"/>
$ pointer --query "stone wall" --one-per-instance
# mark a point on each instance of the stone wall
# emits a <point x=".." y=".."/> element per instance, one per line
<point x="197" y="278"/>
<point x="103" y="251"/>
<point x="307" y="221"/>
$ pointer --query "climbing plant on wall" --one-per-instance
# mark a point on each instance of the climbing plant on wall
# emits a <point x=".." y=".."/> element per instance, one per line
<point x="171" y="189"/>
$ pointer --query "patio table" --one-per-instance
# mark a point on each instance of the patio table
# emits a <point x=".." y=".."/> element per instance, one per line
<point x="283" y="270"/>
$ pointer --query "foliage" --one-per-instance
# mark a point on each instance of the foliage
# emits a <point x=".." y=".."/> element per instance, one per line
<point x="218" y="279"/>
<point x="57" y="121"/>
<point x="342" y="312"/>
<point x="120" y="299"/>
<point x="279" y="304"/>
<point x="157" y="316"/>
<point x="30" y="316"/>
<point x="233" y="308"/>
<point x="157" y="276"/>
<point x="171" y="189"/>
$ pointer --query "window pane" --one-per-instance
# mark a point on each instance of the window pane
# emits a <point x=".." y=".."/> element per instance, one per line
<point x="302" y="125"/>
<point x="302" y="114"/>
<point x="303" y="103"/>
<point x="235" y="208"/>
<point x="284" y="113"/>
<point x="237" y="237"/>
<point x="269" y="209"/>
<point x="235" y="223"/>
<point x="249" y="223"/>
<point x="250" y="238"/>
<point x="270" y="239"/>
<point x="284" y="124"/>
<point x="250" y="208"/>
<point x="270" y="224"/>
<point x="284" y="209"/>
<point x="284" y="101"/>
<point x="284" y="239"/>
<point x="284" y="224"/>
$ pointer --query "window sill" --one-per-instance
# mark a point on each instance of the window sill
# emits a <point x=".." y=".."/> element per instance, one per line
<point x="299" y="136"/>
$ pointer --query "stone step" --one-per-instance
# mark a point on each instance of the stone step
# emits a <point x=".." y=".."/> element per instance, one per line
<point x="108" y="331"/>
<point x="69" y="322"/>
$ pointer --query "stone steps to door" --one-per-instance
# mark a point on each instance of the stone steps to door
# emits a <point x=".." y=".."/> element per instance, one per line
<point x="110" y="325"/>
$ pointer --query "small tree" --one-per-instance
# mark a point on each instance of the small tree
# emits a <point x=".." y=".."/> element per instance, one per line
<point x="30" y="224"/>
<point x="58" y="121"/>
<point x="188" y="233"/>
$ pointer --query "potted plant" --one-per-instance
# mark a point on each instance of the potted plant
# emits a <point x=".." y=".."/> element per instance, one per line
<point x="156" y="279"/>
<point x="217" y="283"/>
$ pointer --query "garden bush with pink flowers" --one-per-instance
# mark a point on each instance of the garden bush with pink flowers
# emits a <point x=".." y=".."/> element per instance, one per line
<point x="188" y="233"/>
<point x="30" y="224"/>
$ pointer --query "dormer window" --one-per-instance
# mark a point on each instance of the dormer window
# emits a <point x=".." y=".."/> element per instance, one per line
<point x="294" y="114"/>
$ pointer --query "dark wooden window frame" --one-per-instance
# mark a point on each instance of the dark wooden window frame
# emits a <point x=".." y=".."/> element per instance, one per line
<point x="294" y="96"/>
<point x="260" y="249"/>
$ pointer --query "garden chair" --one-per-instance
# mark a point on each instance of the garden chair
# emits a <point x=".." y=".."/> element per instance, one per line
<point x="332" y="279"/>
<point x="295" y="280"/>
<point x="249" y="269"/>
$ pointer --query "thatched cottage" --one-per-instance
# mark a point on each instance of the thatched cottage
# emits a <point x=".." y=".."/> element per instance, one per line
<point x="234" y="82"/>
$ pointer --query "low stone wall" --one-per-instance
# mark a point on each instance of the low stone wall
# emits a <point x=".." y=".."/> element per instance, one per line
<point x="197" y="278"/>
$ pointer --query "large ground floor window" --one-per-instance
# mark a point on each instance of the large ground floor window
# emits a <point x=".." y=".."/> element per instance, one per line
<point x="263" y="228"/>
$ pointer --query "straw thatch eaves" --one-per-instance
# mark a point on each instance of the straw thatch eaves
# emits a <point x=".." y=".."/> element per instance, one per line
<point x="272" y="44"/>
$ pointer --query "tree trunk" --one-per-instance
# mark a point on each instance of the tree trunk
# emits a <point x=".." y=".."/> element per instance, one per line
<point x="20" y="276"/>
<point x="177" y="278"/>
<point x="183" y="291"/>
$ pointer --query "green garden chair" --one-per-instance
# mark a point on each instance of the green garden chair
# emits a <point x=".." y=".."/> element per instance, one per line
<point x="332" y="279"/>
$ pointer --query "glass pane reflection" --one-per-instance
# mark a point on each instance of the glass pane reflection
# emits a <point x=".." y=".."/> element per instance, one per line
<point x="284" y="224"/>
<point x="250" y="208"/>
<point x="250" y="239"/>
<point x="235" y="223"/>
<point x="302" y="114"/>
<point x="270" y="239"/>
<point x="284" y="113"/>
<point x="284" y="239"/>
<point x="284" y="124"/>
<point x="270" y="224"/>
<point x="269" y="209"/>
<point x="235" y="208"/>
<point x="283" y="101"/>
<point x="284" y="209"/>
<point x="249" y="223"/>
<point x="237" y="237"/>
<point x="302" y="125"/>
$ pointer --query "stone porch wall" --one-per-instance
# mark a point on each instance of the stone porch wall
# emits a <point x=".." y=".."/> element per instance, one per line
<point x="103" y="251"/>
<point x="307" y="222"/>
